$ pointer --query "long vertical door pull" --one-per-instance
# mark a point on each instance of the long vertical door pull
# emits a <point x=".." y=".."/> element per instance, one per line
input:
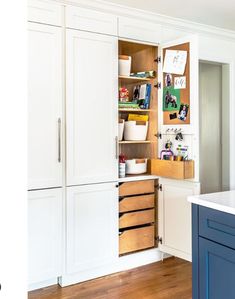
<point x="59" y="140"/>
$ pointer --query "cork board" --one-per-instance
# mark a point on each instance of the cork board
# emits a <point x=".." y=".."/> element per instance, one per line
<point x="184" y="93"/>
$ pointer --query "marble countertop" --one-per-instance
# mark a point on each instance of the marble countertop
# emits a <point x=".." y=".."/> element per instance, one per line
<point x="221" y="201"/>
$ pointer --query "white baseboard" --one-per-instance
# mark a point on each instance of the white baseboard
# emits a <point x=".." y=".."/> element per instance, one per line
<point x="43" y="284"/>
<point x="123" y="263"/>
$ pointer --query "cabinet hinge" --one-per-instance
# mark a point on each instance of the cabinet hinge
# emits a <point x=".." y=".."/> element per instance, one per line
<point x="158" y="85"/>
<point x="158" y="135"/>
<point x="158" y="59"/>
<point x="159" y="187"/>
<point x="159" y="239"/>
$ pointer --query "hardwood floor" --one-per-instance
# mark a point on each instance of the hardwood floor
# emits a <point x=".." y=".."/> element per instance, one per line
<point x="170" y="279"/>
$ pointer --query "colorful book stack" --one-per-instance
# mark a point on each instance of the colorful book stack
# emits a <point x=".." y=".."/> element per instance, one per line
<point x="141" y="95"/>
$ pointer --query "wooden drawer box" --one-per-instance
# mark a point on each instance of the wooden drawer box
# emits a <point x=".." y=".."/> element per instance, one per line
<point x="134" y="188"/>
<point x="173" y="169"/>
<point x="136" y="239"/>
<point x="137" y="218"/>
<point x="135" y="203"/>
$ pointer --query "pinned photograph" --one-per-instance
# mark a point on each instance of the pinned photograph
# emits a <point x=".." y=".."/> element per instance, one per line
<point x="171" y="99"/>
<point x="168" y="80"/>
<point x="183" y="112"/>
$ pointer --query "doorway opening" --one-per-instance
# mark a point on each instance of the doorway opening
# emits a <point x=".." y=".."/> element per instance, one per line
<point x="214" y="122"/>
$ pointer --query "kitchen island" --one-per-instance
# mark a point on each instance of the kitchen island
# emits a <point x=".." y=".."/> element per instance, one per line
<point x="213" y="245"/>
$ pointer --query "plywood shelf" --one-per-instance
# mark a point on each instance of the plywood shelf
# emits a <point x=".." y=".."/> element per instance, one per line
<point x="134" y="141"/>
<point x="134" y="110"/>
<point x="132" y="78"/>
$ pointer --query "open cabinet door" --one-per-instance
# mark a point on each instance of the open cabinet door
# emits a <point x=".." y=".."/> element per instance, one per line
<point x="178" y="77"/>
<point x="174" y="217"/>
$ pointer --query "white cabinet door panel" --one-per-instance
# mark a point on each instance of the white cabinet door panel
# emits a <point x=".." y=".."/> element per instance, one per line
<point x="92" y="226"/>
<point x="139" y="30"/>
<point x="44" y="235"/>
<point x="91" y="110"/>
<point x="90" y="20"/>
<point x="45" y="12"/>
<point x="44" y="106"/>
<point x="175" y="217"/>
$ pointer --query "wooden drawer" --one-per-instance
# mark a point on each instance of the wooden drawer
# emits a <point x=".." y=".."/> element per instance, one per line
<point x="173" y="169"/>
<point x="136" y="218"/>
<point x="133" y="188"/>
<point x="135" y="203"/>
<point x="217" y="226"/>
<point x="136" y="239"/>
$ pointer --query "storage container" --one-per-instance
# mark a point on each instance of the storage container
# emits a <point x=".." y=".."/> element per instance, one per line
<point x="124" y="65"/>
<point x="135" y="130"/>
<point x="120" y="129"/>
<point x="173" y="169"/>
<point x="134" y="203"/>
<point x="138" y="187"/>
<point x="136" y="239"/>
<point x="136" y="166"/>
<point x="136" y="218"/>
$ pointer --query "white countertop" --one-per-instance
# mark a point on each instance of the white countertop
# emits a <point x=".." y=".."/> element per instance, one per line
<point x="221" y="201"/>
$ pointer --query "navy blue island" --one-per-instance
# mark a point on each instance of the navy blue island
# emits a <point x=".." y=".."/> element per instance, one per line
<point x="213" y="245"/>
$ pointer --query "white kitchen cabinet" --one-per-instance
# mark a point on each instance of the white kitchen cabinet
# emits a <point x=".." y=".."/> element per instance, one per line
<point x="90" y="20"/>
<point x="174" y="217"/>
<point x="45" y="95"/>
<point x="92" y="226"/>
<point x="91" y="112"/>
<point x="140" y="30"/>
<point x="45" y="12"/>
<point x="44" y="235"/>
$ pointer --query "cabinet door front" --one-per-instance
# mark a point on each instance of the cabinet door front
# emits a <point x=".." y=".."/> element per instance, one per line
<point x="175" y="217"/>
<point x="92" y="226"/>
<point x="91" y="107"/>
<point x="217" y="270"/>
<point x="44" y="234"/>
<point x="44" y="107"/>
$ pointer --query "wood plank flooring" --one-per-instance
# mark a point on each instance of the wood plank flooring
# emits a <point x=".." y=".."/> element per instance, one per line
<point x="170" y="279"/>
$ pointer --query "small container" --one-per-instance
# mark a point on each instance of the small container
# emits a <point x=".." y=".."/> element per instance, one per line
<point x="135" y="130"/>
<point x="120" y="129"/>
<point x="122" y="170"/>
<point x="124" y="65"/>
<point x="136" y="166"/>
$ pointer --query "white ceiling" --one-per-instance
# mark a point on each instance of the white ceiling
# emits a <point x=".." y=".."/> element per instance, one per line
<point x="219" y="13"/>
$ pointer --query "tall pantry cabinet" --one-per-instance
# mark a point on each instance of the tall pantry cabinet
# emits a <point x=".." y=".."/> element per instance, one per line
<point x="45" y="154"/>
<point x="73" y="167"/>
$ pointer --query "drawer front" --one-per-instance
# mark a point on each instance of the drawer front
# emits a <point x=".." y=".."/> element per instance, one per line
<point x="89" y="20"/>
<point x="134" y="188"/>
<point x="217" y="226"/>
<point x="139" y="30"/>
<point x="45" y="12"/>
<point x="136" y="239"/>
<point x="136" y="218"/>
<point x="135" y="203"/>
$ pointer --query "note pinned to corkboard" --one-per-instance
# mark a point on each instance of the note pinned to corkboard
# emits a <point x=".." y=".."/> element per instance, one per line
<point x="176" y="85"/>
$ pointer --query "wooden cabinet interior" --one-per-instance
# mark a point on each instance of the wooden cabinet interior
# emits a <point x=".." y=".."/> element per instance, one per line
<point x="137" y="216"/>
<point x="143" y="59"/>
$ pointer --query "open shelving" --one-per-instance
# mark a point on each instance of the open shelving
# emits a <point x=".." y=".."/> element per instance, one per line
<point x="142" y="60"/>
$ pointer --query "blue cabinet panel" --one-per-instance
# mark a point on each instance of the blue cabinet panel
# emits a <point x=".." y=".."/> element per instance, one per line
<point x="217" y="226"/>
<point x="217" y="271"/>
